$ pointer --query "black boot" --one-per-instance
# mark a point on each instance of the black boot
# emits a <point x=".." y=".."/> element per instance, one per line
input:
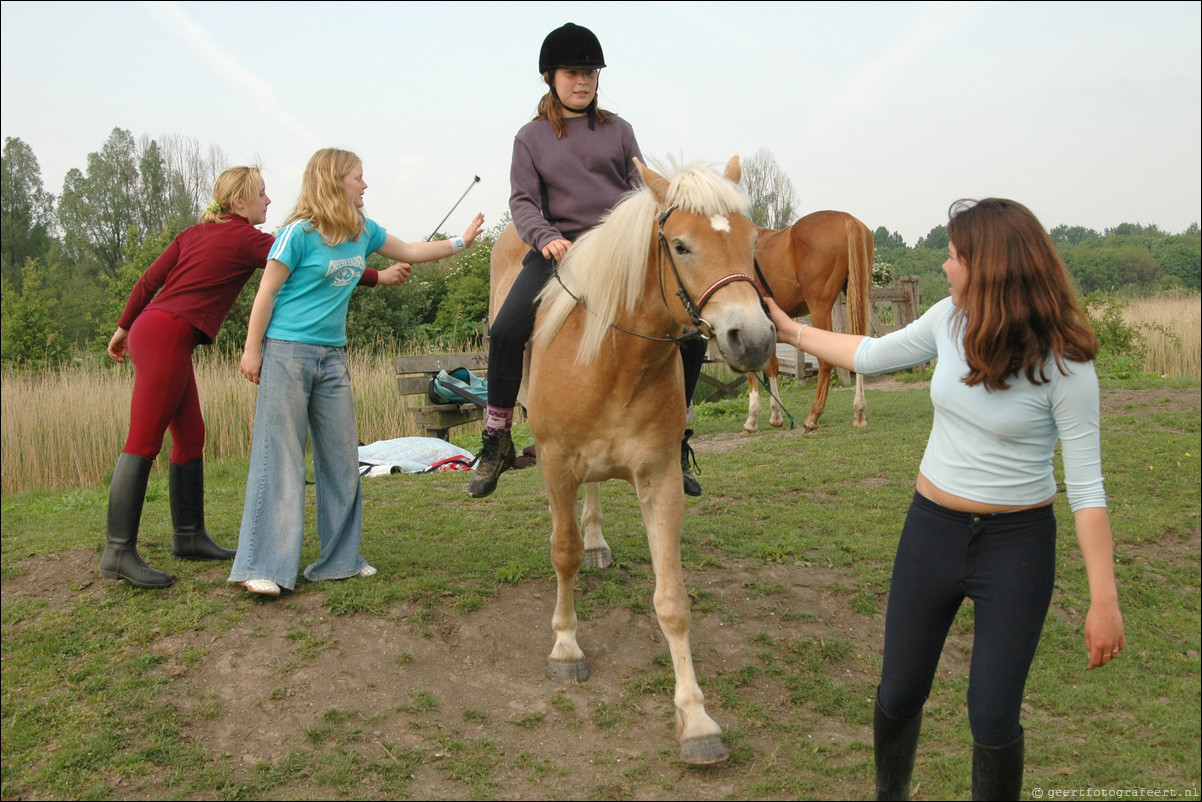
<point x="496" y="457"/>
<point x="127" y="493"/>
<point x="691" y="486"/>
<point x="895" y="742"/>
<point x="187" y="487"/>
<point x="997" y="771"/>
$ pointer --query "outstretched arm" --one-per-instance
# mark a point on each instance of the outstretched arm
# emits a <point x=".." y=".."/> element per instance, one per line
<point x="396" y="249"/>
<point x="829" y="346"/>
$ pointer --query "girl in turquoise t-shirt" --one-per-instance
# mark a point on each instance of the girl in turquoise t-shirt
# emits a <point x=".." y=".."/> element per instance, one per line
<point x="295" y="352"/>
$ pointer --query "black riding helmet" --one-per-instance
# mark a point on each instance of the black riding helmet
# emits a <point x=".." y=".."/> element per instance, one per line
<point x="571" y="46"/>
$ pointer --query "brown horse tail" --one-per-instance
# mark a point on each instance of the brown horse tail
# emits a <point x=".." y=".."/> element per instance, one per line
<point x="860" y="251"/>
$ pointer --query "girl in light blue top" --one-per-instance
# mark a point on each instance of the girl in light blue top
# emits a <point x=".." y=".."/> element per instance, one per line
<point x="1015" y="374"/>
<point x="295" y="353"/>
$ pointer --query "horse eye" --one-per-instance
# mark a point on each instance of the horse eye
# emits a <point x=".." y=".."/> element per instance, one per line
<point x="680" y="248"/>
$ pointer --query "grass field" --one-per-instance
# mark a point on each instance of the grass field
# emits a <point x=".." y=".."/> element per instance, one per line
<point x="113" y="693"/>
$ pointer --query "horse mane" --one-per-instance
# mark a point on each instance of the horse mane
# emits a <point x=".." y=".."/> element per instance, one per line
<point x="606" y="268"/>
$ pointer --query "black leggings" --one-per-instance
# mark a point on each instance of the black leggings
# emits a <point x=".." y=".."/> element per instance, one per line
<point x="515" y="321"/>
<point x="1005" y="563"/>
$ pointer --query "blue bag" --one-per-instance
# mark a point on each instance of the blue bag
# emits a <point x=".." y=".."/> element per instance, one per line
<point x="459" y="386"/>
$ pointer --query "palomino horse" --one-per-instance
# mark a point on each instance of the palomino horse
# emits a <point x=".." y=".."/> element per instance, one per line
<point x="807" y="265"/>
<point x="605" y="393"/>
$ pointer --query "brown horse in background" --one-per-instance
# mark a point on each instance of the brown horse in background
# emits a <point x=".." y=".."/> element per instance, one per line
<point x="806" y="266"/>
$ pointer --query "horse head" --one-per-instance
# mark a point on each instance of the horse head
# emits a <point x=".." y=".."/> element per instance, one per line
<point x="706" y="254"/>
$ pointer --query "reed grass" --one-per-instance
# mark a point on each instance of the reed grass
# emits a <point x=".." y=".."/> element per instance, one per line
<point x="1172" y="329"/>
<point x="65" y="428"/>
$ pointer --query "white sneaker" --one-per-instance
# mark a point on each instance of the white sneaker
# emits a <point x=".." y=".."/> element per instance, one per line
<point x="367" y="571"/>
<point x="263" y="587"/>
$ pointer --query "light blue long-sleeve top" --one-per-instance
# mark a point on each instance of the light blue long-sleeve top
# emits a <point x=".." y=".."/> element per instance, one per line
<point x="996" y="447"/>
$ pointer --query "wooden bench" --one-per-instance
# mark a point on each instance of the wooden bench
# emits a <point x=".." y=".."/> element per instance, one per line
<point x="413" y="378"/>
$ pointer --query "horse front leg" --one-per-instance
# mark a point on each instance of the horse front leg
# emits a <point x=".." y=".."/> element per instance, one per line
<point x="752" y="424"/>
<point x="566" y="662"/>
<point x="699" y="735"/>
<point x="596" y="551"/>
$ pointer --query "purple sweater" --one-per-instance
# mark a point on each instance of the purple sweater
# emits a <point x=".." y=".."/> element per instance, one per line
<point x="563" y="187"/>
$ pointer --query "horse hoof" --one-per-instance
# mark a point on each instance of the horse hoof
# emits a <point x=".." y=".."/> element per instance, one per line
<point x="567" y="672"/>
<point x="750" y="429"/>
<point x="703" y="751"/>
<point x="598" y="558"/>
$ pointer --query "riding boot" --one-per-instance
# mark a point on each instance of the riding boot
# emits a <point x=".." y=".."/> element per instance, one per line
<point x="187" y="487"/>
<point x="127" y="493"/>
<point x="997" y="771"/>
<point x="691" y="486"/>
<point x="496" y="457"/>
<point x="895" y="742"/>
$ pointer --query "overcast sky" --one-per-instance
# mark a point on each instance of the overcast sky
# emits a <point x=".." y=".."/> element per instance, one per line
<point x="1089" y="113"/>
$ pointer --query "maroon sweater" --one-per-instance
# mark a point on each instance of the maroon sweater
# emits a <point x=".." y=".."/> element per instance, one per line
<point x="201" y="273"/>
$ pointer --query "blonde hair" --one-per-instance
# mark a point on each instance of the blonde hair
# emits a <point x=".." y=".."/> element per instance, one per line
<point x="323" y="201"/>
<point x="235" y="183"/>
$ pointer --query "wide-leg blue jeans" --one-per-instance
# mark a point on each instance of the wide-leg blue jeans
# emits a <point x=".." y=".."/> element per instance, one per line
<point x="303" y="389"/>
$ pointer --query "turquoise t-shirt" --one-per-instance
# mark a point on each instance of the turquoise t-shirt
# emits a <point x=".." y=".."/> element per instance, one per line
<point x="311" y="306"/>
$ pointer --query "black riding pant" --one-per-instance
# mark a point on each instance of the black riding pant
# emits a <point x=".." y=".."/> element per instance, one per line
<point x="515" y="321"/>
<point x="1005" y="563"/>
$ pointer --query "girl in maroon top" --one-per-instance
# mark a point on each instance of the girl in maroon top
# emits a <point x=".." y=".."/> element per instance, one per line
<point x="179" y="303"/>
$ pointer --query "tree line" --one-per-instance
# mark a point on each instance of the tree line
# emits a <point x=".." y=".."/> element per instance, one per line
<point x="68" y="262"/>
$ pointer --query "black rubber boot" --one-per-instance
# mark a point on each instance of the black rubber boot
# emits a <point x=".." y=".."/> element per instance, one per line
<point x="496" y="456"/>
<point x="127" y="493"/>
<point x="187" y="487"/>
<point x="895" y="742"/>
<point x="691" y="486"/>
<point x="997" y="771"/>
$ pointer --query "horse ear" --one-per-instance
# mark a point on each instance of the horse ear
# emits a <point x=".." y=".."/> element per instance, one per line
<point x="654" y="181"/>
<point x="733" y="171"/>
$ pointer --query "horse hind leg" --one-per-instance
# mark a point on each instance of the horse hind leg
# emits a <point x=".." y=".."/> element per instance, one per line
<point x="821" y="390"/>
<point x="566" y="662"/>
<point x="597" y="553"/>
<point x="778" y="418"/>
<point x="861" y="405"/>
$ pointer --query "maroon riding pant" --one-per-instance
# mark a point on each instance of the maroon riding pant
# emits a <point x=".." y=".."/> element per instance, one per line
<point x="161" y="345"/>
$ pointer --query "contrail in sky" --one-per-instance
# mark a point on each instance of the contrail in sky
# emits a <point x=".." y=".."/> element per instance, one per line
<point x="233" y="70"/>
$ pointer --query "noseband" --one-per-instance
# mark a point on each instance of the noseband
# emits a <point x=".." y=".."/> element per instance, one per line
<point x="704" y="329"/>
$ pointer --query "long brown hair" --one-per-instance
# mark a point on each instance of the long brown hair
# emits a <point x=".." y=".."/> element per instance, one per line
<point x="1018" y="305"/>
<point x="323" y="200"/>
<point x="551" y="110"/>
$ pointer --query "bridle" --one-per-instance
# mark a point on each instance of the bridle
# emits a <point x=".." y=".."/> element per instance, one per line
<point x="701" y="327"/>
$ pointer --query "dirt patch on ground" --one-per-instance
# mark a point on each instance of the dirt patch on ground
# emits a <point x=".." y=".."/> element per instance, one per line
<point x="289" y="670"/>
<point x="405" y="687"/>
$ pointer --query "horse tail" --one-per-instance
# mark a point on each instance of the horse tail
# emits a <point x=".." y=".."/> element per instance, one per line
<point x="860" y="251"/>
